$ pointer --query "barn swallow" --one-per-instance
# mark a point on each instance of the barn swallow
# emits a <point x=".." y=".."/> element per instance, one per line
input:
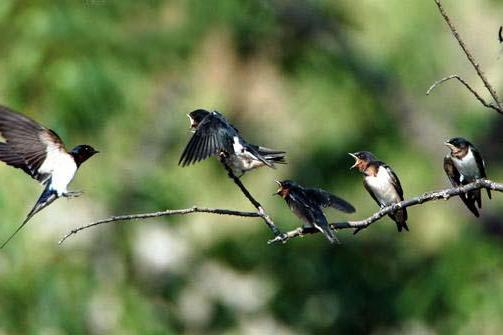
<point x="40" y="153"/>
<point x="464" y="165"/>
<point x="307" y="203"/>
<point x="214" y="135"/>
<point x="382" y="184"/>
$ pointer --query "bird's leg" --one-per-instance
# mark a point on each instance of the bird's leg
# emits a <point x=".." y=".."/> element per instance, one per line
<point x="73" y="194"/>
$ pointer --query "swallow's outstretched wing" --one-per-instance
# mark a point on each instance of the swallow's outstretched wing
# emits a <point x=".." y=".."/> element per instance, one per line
<point x="27" y="143"/>
<point x="327" y="199"/>
<point x="213" y="135"/>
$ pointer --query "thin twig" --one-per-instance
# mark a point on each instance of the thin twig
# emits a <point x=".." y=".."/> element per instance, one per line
<point x="472" y="60"/>
<point x="168" y="212"/>
<point x="267" y="219"/>
<point x="429" y="196"/>
<point x="479" y="98"/>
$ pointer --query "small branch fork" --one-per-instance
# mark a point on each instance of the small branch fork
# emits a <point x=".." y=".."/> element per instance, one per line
<point x="497" y="106"/>
<point x="477" y="96"/>
<point x="267" y="219"/>
<point x="429" y="196"/>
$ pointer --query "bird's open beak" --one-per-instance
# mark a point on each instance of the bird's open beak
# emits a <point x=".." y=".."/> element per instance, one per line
<point x="279" y="189"/>
<point x="450" y="146"/>
<point x="192" y="123"/>
<point x="357" y="160"/>
<point x="454" y="150"/>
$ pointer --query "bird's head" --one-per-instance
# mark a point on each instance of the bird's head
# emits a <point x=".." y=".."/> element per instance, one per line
<point x="82" y="152"/>
<point x="362" y="160"/>
<point x="196" y="117"/>
<point x="285" y="187"/>
<point x="458" y="146"/>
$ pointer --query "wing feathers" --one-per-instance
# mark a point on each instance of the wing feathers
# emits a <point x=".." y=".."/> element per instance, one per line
<point x="26" y="142"/>
<point x="214" y="134"/>
<point x="326" y="199"/>
<point x="455" y="178"/>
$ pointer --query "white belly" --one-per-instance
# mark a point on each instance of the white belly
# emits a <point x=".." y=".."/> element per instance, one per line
<point x="467" y="167"/>
<point x="61" y="167"/>
<point x="383" y="188"/>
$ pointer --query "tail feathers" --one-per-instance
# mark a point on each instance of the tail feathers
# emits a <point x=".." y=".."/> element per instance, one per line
<point x="400" y="218"/>
<point x="46" y="198"/>
<point x="329" y="234"/>
<point x="402" y="225"/>
<point x="476" y="196"/>
<point x="275" y="159"/>
<point x="325" y="229"/>
<point x="272" y="156"/>
<point x="470" y="204"/>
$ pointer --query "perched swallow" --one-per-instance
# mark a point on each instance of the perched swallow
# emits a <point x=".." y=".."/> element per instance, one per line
<point x="40" y="153"/>
<point x="214" y="135"/>
<point x="307" y="203"/>
<point x="382" y="183"/>
<point x="464" y="165"/>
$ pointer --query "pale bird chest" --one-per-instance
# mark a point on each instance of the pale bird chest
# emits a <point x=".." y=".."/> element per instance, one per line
<point x="467" y="167"/>
<point x="61" y="167"/>
<point x="381" y="186"/>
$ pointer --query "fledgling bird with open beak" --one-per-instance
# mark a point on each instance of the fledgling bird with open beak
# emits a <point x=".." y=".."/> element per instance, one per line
<point x="382" y="184"/>
<point x="307" y="203"/>
<point x="214" y="135"/>
<point x="464" y="165"/>
<point x="40" y="153"/>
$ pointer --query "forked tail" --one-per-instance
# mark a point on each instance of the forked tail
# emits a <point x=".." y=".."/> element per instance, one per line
<point x="46" y="198"/>
<point x="273" y="156"/>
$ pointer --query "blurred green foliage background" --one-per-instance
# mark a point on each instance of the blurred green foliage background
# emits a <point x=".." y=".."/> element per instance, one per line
<point x="318" y="79"/>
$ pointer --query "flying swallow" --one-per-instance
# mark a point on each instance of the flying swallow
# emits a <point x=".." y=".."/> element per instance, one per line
<point x="464" y="165"/>
<point x="40" y="153"/>
<point x="382" y="184"/>
<point x="307" y="203"/>
<point x="214" y="135"/>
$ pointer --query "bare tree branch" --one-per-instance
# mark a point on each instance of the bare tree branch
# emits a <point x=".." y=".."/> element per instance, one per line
<point x="429" y="196"/>
<point x="168" y="212"/>
<point x="261" y="213"/>
<point x="472" y="60"/>
<point x="479" y="98"/>
<point x="267" y="219"/>
<point x="284" y="237"/>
